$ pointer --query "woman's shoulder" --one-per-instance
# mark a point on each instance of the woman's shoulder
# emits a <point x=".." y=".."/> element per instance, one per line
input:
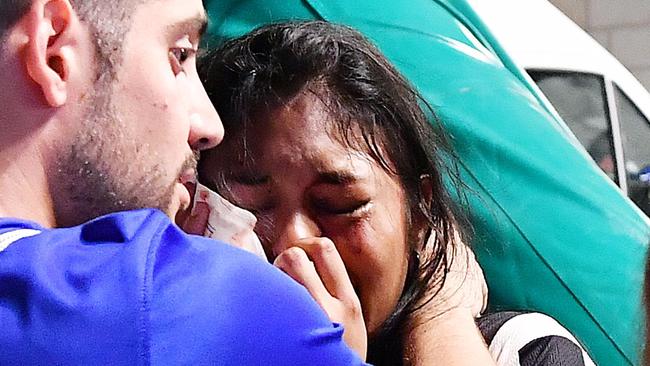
<point x="526" y="339"/>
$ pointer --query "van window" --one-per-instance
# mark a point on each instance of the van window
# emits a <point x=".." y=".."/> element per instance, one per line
<point x="635" y="133"/>
<point x="581" y="100"/>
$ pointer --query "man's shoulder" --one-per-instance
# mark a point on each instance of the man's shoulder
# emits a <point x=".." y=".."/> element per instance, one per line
<point x="144" y="246"/>
<point x="135" y="280"/>
<point x="119" y="227"/>
<point x="138" y="233"/>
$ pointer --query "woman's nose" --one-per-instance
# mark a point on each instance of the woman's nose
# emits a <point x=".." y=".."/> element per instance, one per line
<point x="295" y="227"/>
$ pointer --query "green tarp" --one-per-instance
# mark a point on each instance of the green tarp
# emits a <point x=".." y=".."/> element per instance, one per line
<point x="552" y="233"/>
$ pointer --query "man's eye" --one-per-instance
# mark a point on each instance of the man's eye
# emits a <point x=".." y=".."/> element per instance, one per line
<point x="179" y="56"/>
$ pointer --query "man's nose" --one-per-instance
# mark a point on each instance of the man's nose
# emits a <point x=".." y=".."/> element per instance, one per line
<point x="206" y="129"/>
<point x="295" y="227"/>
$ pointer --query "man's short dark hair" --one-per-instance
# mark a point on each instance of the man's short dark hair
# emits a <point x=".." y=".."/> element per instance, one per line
<point x="10" y="12"/>
<point x="109" y="21"/>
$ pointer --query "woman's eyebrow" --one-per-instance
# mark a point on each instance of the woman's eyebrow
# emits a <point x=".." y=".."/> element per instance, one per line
<point x="337" y="177"/>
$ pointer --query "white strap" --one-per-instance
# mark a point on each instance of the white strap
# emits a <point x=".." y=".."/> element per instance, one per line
<point x="10" y="237"/>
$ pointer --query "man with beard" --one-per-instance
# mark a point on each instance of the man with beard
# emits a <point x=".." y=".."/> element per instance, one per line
<point x="102" y="116"/>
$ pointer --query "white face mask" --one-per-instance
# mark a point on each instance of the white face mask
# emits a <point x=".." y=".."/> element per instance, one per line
<point x="229" y="223"/>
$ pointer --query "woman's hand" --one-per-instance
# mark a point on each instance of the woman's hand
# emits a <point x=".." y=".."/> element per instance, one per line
<point x="316" y="264"/>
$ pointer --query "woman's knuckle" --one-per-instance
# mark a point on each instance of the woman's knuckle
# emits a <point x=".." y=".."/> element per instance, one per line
<point x="292" y="257"/>
<point x="324" y="246"/>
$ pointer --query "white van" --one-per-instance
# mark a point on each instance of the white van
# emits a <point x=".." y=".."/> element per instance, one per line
<point x="607" y="109"/>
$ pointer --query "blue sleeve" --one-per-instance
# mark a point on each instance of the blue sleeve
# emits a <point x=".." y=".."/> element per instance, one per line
<point x="211" y="304"/>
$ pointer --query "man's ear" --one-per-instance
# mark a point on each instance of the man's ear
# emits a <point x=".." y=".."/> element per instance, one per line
<point x="48" y="53"/>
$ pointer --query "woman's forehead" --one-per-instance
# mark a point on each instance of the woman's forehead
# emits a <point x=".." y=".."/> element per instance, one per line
<point x="304" y="130"/>
<point x="322" y="156"/>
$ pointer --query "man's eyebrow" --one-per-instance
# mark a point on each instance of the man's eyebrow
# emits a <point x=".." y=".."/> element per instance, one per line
<point x="196" y="25"/>
<point x="337" y="177"/>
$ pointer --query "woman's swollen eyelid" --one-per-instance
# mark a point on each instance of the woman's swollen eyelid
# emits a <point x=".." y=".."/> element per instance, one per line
<point x="347" y="210"/>
<point x="363" y="207"/>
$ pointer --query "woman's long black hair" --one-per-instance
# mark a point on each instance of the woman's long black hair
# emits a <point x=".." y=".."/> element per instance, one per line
<point x="266" y="68"/>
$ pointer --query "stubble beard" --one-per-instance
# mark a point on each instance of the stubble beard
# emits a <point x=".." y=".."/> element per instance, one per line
<point x="104" y="170"/>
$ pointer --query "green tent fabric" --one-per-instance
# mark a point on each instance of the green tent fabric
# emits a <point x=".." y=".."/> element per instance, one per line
<point x="552" y="233"/>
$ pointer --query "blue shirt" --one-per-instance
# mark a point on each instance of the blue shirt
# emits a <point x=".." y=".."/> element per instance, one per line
<point x="132" y="289"/>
